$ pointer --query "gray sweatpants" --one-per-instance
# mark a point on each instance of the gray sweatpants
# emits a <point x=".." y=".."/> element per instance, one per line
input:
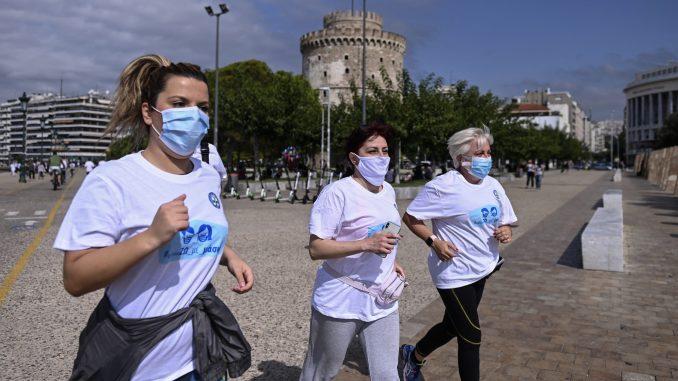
<point x="330" y="338"/>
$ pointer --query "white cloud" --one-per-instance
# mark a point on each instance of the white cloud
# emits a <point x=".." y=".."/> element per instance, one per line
<point x="89" y="42"/>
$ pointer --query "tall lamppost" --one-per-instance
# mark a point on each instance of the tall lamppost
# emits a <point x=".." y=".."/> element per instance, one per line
<point x="326" y="104"/>
<point x="53" y="135"/>
<point x="23" y="99"/>
<point x="43" y="119"/>
<point x="364" y="120"/>
<point x="224" y="9"/>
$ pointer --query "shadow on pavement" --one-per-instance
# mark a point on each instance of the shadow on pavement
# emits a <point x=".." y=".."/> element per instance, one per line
<point x="572" y="256"/>
<point x="598" y="204"/>
<point x="662" y="201"/>
<point x="276" y="370"/>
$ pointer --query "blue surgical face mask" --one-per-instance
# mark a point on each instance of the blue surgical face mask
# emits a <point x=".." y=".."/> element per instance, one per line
<point x="479" y="166"/>
<point x="182" y="129"/>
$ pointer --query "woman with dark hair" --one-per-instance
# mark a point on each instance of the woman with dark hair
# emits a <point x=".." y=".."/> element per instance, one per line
<point x="354" y="228"/>
<point x="150" y="229"/>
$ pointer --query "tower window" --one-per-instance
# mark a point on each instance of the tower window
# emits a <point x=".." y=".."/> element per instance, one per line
<point x="346" y="56"/>
<point x="381" y="59"/>
<point x="318" y="58"/>
<point x="346" y="71"/>
<point x="393" y="62"/>
<point x="325" y="74"/>
<point x="372" y="76"/>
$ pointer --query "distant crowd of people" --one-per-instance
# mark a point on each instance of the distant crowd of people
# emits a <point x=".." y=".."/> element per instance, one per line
<point x="31" y="168"/>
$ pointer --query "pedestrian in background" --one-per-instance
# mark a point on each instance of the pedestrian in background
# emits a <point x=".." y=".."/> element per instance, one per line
<point x="539" y="174"/>
<point x="41" y="169"/>
<point x="530" y="174"/>
<point x="89" y="166"/>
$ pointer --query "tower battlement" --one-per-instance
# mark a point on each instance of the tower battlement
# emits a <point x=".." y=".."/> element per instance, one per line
<point x="343" y="19"/>
<point x="332" y="56"/>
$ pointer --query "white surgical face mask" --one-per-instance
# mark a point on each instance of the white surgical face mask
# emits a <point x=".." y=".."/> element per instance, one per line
<point x="373" y="168"/>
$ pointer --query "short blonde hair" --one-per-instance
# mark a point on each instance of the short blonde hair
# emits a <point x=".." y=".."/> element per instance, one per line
<point x="460" y="142"/>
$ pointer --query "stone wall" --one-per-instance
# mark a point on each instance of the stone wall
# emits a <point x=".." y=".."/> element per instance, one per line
<point x="660" y="167"/>
<point x="332" y="56"/>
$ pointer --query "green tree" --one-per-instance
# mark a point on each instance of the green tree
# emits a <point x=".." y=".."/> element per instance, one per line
<point x="122" y="146"/>
<point x="667" y="136"/>
<point x="260" y="112"/>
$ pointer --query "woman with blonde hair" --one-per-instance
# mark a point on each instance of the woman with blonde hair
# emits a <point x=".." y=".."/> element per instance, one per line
<point x="150" y="229"/>
<point x="470" y="215"/>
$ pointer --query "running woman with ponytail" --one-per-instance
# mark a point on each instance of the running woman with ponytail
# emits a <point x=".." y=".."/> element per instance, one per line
<point x="149" y="228"/>
<point x="471" y="215"/>
<point x="356" y="287"/>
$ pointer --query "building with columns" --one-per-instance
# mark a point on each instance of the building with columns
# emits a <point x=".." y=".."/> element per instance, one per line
<point x="332" y="56"/>
<point x="650" y="98"/>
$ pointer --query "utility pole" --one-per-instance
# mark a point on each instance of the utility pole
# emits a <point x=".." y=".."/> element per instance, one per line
<point x="364" y="119"/>
<point x="224" y="10"/>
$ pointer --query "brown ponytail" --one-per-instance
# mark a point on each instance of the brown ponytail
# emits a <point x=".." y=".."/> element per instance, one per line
<point x="141" y="81"/>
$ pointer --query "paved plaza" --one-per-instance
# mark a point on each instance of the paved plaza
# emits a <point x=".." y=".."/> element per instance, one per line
<point x="543" y="317"/>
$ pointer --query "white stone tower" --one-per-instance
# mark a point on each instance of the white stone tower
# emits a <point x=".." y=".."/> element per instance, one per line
<point x="332" y="56"/>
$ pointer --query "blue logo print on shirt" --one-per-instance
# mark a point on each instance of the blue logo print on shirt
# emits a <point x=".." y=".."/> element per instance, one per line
<point x="201" y="239"/>
<point x="214" y="199"/>
<point x="488" y="214"/>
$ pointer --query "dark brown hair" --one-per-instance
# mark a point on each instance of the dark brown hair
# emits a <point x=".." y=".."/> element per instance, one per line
<point x="362" y="134"/>
<point x="141" y="81"/>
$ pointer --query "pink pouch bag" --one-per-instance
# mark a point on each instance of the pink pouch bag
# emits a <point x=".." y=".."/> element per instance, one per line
<point x="385" y="294"/>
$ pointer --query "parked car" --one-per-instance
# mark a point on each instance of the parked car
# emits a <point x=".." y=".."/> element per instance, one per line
<point x="601" y="166"/>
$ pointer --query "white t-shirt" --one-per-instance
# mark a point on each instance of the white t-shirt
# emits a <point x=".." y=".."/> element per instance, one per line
<point x="466" y="215"/>
<point x="346" y="211"/>
<point x="119" y="200"/>
<point x="215" y="159"/>
<point x="89" y="166"/>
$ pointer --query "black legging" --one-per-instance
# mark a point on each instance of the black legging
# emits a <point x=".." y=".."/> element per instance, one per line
<point x="460" y="320"/>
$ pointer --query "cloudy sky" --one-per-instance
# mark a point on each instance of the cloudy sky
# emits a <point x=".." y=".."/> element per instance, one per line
<point x="589" y="48"/>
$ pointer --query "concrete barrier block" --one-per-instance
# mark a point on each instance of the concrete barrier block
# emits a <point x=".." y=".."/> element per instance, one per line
<point x="406" y="193"/>
<point x="617" y="177"/>
<point x="602" y="241"/>
<point x="612" y="198"/>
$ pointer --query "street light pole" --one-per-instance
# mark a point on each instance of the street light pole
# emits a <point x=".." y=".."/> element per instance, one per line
<point x="24" y="109"/>
<point x="364" y="119"/>
<point x="322" y="138"/>
<point x="224" y="9"/>
<point x="43" y="118"/>
<point x="326" y="103"/>
<point x="329" y="136"/>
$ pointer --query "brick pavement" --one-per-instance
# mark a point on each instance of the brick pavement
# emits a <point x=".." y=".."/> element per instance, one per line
<point x="545" y="318"/>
